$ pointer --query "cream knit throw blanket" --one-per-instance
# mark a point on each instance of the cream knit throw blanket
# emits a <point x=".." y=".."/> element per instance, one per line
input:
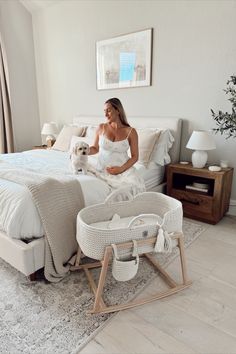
<point x="58" y="200"/>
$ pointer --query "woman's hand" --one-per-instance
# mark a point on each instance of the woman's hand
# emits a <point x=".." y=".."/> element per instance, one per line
<point x="114" y="170"/>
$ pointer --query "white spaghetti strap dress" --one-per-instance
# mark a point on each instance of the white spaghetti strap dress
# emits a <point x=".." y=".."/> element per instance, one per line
<point x="115" y="153"/>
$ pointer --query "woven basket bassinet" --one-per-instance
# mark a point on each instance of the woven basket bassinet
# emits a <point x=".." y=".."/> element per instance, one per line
<point x="93" y="240"/>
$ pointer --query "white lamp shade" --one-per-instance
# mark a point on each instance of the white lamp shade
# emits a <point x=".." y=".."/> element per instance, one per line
<point x="49" y="129"/>
<point x="201" y="140"/>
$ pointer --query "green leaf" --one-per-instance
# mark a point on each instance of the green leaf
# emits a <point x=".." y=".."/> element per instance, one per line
<point x="225" y="121"/>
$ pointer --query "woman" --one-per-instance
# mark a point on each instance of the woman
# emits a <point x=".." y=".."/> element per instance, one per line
<point x="112" y="142"/>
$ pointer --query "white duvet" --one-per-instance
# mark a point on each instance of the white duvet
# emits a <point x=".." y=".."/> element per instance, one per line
<point x="18" y="215"/>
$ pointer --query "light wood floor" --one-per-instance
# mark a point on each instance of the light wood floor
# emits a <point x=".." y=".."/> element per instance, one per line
<point x="201" y="319"/>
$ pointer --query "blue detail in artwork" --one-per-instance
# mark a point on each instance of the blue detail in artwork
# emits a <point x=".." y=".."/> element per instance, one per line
<point x="127" y="65"/>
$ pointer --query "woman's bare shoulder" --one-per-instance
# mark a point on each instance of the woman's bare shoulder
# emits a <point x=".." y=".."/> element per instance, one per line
<point x="101" y="127"/>
<point x="132" y="131"/>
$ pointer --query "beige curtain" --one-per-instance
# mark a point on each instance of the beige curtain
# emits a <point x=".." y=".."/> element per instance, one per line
<point x="6" y="132"/>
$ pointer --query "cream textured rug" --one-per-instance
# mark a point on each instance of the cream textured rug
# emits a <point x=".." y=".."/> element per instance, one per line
<point x="44" y="318"/>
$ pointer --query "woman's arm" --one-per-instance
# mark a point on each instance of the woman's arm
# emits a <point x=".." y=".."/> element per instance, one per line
<point x="133" y="142"/>
<point x="95" y="147"/>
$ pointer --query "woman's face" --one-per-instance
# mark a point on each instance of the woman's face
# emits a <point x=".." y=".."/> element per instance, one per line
<point x="111" y="113"/>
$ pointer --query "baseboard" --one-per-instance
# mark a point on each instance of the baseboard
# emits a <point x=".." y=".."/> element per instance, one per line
<point x="232" y="207"/>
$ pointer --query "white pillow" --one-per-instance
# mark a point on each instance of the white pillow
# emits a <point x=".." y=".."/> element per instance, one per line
<point x="63" y="140"/>
<point x="91" y="131"/>
<point x="147" y="139"/>
<point x="160" y="153"/>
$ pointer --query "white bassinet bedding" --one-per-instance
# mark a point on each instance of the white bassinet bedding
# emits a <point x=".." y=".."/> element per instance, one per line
<point x="118" y="222"/>
<point x="18" y="215"/>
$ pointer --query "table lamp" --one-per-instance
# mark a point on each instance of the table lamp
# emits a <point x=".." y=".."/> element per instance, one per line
<point x="50" y="129"/>
<point x="200" y="141"/>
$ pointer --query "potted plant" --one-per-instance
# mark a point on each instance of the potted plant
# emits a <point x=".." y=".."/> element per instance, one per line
<point x="225" y="121"/>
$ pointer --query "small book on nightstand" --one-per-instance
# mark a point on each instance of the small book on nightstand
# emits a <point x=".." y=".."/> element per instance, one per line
<point x="205" y="190"/>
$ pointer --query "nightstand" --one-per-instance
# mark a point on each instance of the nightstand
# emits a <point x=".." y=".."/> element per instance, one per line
<point x="40" y="147"/>
<point x="204" y="194"/>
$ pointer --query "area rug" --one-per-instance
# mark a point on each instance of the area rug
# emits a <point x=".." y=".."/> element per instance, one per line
<point x="39" y="317"/>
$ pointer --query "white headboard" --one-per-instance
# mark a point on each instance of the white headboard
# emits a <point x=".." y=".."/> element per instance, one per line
<point x="172" y="123"/>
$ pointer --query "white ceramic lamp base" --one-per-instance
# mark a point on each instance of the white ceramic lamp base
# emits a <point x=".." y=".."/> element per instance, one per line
<point x="199" y="158"/>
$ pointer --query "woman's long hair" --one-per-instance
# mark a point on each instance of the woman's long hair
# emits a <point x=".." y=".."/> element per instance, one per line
<point x="115" y="103"/>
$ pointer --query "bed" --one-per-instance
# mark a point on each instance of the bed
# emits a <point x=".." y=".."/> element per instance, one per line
<point x="27" y="255"/>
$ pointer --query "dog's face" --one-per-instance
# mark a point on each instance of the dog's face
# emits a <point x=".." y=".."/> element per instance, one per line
<point x="81" y="148"/>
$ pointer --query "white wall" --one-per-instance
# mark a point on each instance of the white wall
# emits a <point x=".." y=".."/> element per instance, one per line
<point x="17" y="31"/>
<point x="194" y="53"/>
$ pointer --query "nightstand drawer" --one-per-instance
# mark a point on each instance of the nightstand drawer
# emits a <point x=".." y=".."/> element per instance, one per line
<point x="194" y="203"/>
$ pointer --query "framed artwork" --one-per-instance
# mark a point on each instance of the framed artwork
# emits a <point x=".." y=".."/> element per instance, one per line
<point x="125" y="61"/>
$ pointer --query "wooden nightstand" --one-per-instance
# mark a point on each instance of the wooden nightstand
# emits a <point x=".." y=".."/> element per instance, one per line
<point x="208" y="205"/>
<point x="40" y="147"/>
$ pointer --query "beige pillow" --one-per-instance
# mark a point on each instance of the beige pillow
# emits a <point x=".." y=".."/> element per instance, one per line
<point x="63" y="140"/>
<point x="147" y="138"/>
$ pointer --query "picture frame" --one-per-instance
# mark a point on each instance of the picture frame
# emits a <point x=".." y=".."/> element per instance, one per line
<point x="125" y="61"/>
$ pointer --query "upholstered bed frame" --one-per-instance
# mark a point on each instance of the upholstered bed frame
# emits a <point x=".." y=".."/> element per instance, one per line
<point x="29" y="257"/>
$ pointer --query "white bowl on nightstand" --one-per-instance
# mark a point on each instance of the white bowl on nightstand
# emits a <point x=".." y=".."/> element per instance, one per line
<point x="214" y="168"/>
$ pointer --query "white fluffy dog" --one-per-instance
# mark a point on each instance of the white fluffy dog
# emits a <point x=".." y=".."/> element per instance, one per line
<point x="79" y="157"/>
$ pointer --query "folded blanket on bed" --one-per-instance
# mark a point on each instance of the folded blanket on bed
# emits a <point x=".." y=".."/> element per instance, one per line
<point x="58" y="201"/>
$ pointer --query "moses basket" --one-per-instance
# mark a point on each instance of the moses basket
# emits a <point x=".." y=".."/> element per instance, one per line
<point x="142" y="221"/>
<point x="146" y="214"/>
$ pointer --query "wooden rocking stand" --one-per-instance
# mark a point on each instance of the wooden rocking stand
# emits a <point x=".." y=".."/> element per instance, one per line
<point x="101" y="307"/>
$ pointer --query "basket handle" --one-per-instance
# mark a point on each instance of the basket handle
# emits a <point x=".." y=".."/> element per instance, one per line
<point x="142" y="216"/>
<point x="124" y="192"/>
